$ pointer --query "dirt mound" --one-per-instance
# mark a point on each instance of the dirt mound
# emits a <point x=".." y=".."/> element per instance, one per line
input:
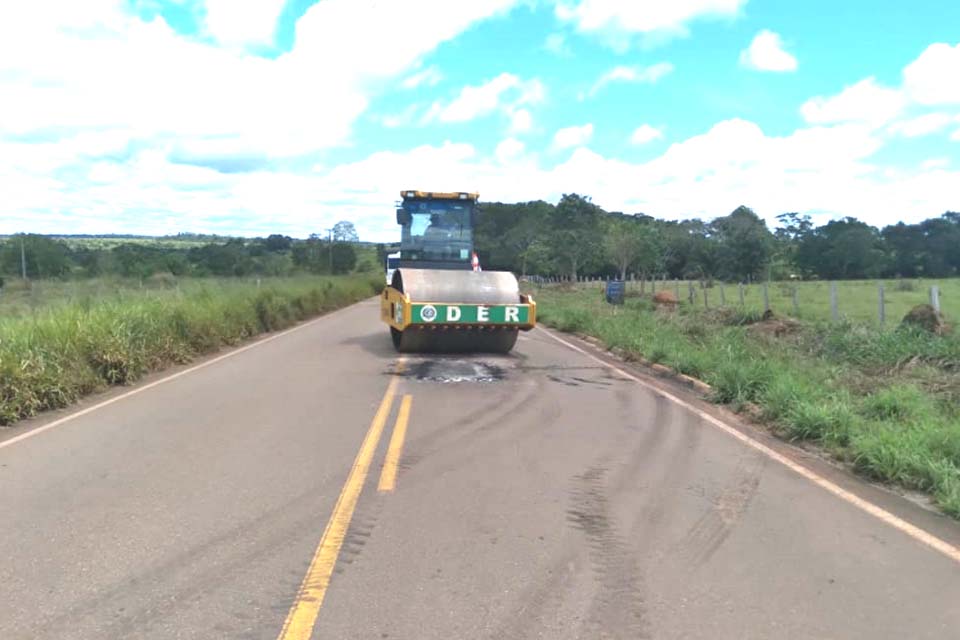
<point x="665" y="299"/>
<point x="927" y="318"/>
<point x="772" y="326"/>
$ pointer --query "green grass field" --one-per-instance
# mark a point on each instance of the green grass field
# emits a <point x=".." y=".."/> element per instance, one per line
<point x="885" y="401"/>
<point x="857" y="300"/>
<point x="111" y="332"/>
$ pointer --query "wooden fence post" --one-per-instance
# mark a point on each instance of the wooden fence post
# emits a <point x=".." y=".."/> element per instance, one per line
<point x="740" y="286"/>
<point x="676" y="288"/>
<point x="693" y="295"/>
<point x="935" y="298"/>
<point x="882" y="311"/>
<point x="834" y="308"/>
<point x="766" y="297"/>
<point x="796" y="301"/>
<point x="723" y="296"/>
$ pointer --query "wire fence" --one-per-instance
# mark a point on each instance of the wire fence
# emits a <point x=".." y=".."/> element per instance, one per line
<point x="877" y="302"/>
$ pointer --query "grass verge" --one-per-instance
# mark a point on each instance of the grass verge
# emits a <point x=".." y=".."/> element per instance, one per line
<point x="886" y="402"/>
<point x="54" y="357"/>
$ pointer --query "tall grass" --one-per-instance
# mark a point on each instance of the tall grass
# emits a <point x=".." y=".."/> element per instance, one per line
<point x="56" y="355"/>
<point x="884" y="401"/>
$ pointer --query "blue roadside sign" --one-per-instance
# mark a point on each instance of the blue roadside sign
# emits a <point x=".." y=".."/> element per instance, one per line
<point x="615" y="291"/>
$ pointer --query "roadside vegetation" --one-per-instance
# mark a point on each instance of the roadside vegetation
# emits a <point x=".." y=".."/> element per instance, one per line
<point x="577" y="238"/>
<point x="72" y="346"/>
<point x="75" y="258"/>
<point x="887" y="402"/>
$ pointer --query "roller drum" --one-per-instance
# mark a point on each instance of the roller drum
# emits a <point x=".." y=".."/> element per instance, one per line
<point x="456" y="287"/>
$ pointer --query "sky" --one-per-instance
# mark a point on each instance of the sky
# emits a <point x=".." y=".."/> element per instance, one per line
<point x="286" y="116"/>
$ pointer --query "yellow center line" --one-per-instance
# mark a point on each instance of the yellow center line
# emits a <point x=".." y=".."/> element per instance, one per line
<point x="303" y="613"/>
<point x="388" y="477"/>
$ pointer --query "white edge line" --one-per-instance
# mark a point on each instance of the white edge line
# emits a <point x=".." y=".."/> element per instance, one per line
<point x="156" y="383"/>
<point x="892" y="520"/>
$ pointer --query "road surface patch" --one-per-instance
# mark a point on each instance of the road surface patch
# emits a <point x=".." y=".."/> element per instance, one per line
<point x="454" y="370"/>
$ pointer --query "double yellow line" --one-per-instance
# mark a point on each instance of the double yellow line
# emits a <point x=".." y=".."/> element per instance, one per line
<point x="303" y="614"/>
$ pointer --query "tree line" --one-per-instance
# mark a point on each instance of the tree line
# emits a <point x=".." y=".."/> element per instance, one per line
<point x="275" y="255"/>
<point x="576" y="238"/>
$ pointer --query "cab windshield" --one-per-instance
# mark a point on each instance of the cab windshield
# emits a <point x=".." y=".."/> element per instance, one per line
<point x="438" y="231"/>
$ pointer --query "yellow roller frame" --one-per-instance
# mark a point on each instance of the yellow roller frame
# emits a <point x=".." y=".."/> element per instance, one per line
<point x="389" y="300"/>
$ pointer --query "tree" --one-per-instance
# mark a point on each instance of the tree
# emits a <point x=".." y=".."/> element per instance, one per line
<point x="575" y="239"/>
<point x="843" y="249"/>
<point x="792" y="230"/>
<point x="906" y="245"/>
<point x="344" y="257"/>
<point x="344" y="231"/>
<point x="630" y="243"/>
<point x="688" y="251"/>
<point x="744" y="244"/>
<point x="276" y="243"/>
<point x="45" y="257"/>
<point x="505" y="233"/>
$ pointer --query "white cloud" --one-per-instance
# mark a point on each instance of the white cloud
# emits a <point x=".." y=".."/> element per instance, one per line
<point x="520" y="121"/>
<point x="931" y="79"/>
<point x="505" y="92"/>
<point x="645" y="133"/>
<point x="616" y="20"/>
<point x="638" y="74"/>
<point x="822" y="170"/>
<point x="955" y="136"/>
<point x="429" y="77"/>
<point x="102" y="68"/>
<point x="922" y="125"/>
<point x="766" y="53"/>
<point x="509" y="150"/>
<point x="92" y="93"/>
<point x="99" y="104"/>
<point x="936" y="163"/>
<point x="864" y="102"/>
<point x="244" y="23"/>
<point x="573" y="136"/>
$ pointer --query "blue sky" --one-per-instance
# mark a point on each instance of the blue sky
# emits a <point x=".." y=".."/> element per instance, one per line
<point x="284" y="116"/>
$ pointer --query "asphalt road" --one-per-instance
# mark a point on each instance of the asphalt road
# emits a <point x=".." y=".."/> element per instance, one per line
<point x="540" y="495"/>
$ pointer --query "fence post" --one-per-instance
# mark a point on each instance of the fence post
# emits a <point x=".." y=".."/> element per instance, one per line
<point x="935" y="298"/>
<point x="882" y="311"/>
<point x="653" y="285"/>
<point x="676" y="288"/>
<point x="796" y="302"/>
<point x="766" y="297"/>
<point x="723" y="296"/>
<point x="834" y="308"/>
<point x="693" y="295"/>
<point x="706" y="303"/>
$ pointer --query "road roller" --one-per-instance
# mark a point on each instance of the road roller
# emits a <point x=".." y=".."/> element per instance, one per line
<point x="439" y="299"/>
